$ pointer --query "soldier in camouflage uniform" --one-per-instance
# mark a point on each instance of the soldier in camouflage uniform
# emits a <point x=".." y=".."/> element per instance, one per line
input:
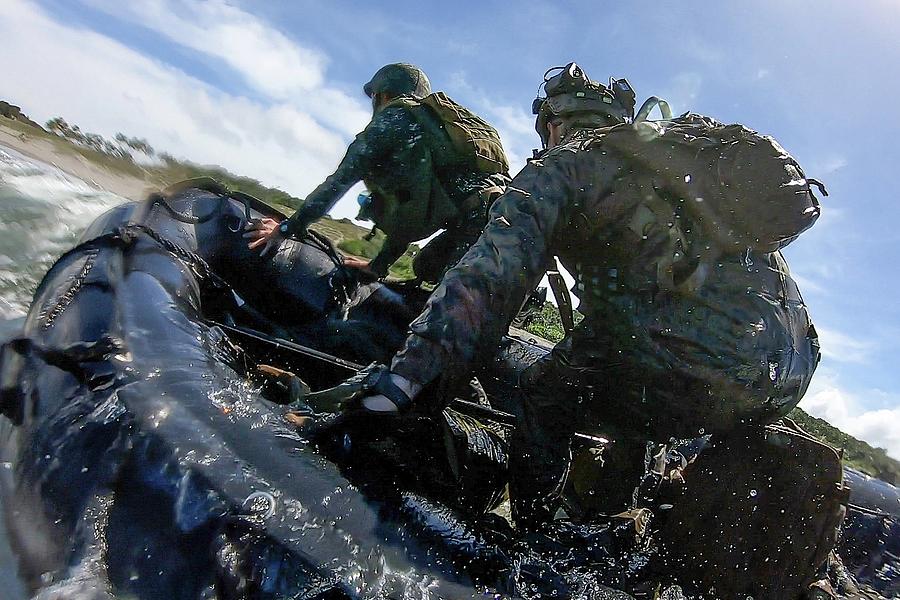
<point x="419" y="182"/>
<point x="646" y="362"/>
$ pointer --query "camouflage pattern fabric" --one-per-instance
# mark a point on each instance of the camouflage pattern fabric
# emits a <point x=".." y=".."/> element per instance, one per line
<point x="445" y="250"/>
<point x="733" y="349"/>
<point x="396" y="160"/>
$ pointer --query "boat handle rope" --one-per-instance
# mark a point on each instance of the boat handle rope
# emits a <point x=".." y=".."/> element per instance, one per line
<point x="127" y="235"/>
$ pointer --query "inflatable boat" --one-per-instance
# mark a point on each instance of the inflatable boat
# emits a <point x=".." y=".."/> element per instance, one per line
<point x="149" y="455"/>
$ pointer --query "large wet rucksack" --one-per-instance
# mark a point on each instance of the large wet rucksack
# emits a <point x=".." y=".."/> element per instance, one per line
<point x="756" y="516"/>
<point x="742" y="189"/>
<point x="473" y="139"/>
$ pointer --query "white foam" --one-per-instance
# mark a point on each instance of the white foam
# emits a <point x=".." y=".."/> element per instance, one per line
<point x="43" y="182"/>
<point x="42" y="212"/>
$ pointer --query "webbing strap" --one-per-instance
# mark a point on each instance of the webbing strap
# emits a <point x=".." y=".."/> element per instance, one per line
<point x="387" y="388"/>
<point x="126" y="235"/>
<point x="563" y="300"/>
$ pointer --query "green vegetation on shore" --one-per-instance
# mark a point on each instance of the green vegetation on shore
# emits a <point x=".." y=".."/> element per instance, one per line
<point x="136" y="158"/>
<point x="63" y="145"/>
<point x="119" y="155"/>
<point x="172" y="170"/>
<point x="857" y="453"/>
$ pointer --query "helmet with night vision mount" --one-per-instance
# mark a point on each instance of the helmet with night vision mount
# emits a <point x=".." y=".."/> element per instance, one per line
<point x="571" y="94"/>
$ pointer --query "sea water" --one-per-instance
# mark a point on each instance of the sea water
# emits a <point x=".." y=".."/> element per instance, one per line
<point x="42" y="213"/>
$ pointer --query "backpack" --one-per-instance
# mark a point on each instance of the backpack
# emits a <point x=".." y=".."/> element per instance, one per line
<point x="473" y="139"/>
<point x="742" y="189"/>
<point x="757" y="514"/>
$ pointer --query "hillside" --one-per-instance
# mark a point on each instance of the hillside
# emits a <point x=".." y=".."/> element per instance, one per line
<point x="857" y="453"/>
<point x="172" y="170"/>
<point x="134" y="158"/>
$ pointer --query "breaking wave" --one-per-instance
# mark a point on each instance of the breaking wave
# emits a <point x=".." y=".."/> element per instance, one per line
<point x="42" y="212"/>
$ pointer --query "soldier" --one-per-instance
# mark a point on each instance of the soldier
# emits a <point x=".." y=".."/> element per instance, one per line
<point x="648" y="361"/>
<point x="429" y="164"/>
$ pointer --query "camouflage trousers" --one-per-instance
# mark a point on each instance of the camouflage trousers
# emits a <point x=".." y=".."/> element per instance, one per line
<point x="597" y="382"/>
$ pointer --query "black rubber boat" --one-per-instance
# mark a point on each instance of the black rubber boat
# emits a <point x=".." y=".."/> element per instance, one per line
<point x="145" y="461"/>
<point x="149" y="459"/>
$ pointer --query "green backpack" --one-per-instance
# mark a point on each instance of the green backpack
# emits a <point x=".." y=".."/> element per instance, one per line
<point x="741" y="188"/>
<point x="473" y="139"/>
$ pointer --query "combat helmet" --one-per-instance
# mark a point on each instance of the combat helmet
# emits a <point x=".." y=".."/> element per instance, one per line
<point x="399" y="79"/>
<point x="571" y="93"/>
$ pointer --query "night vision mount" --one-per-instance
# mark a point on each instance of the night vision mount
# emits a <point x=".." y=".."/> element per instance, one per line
<point x="569" y="90"/>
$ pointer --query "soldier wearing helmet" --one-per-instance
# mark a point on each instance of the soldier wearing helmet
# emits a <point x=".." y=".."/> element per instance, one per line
<point x="647" y="362"/>
<point x="420" y="181"/>
<point x="580" y="102"/>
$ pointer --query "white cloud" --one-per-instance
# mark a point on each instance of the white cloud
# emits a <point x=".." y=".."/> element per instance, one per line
<point x="682" y="91"/>
<point x="833" y="164"/>
<point x="262" y="56"/>
<point x="807" y="286"/>
<point x="844" y="348"/>
<point x="815" y="273"/>
<point x="516" y="128"/>
<point x="880" y="427"/>
<point x="104" y="86"/>
<point x="265" y="57"/>
<point x="698" y="49"/>
<point x="826" y="165"/>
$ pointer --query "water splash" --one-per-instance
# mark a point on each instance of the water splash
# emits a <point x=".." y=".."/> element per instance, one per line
<point x="42" y="212"/>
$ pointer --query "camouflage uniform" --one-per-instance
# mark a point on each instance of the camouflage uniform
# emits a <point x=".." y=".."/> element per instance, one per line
<point x="646" y="362"/>
<point x="395" y="158"/>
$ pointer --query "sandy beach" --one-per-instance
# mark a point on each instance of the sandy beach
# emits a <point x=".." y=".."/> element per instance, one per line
<point x="39" y="148"/>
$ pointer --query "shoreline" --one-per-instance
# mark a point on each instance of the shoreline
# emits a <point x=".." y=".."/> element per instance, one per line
<point x="36" y="147"/>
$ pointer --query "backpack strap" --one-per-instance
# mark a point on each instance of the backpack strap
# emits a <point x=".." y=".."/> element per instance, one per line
<point x="480" y="201"/>
<point x="563" y="300"/>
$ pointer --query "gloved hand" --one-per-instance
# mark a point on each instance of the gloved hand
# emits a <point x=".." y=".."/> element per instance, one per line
<point x="397" y="393"/>
<point x="374" y="390"/>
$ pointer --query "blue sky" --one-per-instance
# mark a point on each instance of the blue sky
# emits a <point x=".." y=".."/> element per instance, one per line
<point x="273" y="90"/>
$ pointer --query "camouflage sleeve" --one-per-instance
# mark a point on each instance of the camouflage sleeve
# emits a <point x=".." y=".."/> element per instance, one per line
<point x="472" y="308"/>
<point x="386" y="132"/>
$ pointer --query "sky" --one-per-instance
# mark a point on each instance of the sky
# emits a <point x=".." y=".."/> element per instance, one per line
<point x="272" y="90"/>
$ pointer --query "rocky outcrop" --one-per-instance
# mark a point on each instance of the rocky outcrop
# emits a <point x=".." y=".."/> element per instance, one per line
<point x="11" y="111"/>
